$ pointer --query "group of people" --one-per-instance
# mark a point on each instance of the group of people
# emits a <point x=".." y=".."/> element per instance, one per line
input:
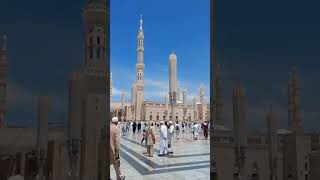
<point x="135" y="127"/>
<point x="167" y="131"/>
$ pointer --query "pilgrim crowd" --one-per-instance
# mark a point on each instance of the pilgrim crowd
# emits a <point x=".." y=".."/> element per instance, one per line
<point x="167" y="131"/>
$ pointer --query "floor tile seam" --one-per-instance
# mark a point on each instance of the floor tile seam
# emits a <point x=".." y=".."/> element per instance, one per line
<point x="157" y="165"/>
<point x="136" y="165"/>
<point x="182" y="166"/>
<point x="137" y="160"/>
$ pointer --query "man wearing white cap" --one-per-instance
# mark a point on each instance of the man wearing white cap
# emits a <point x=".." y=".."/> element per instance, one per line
<point x="163" y="139"/>
<point x="170" y="135"/>
<point x="115" y="147"/>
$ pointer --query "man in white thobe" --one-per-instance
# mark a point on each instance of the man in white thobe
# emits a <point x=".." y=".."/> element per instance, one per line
<point x="170" y="135"/>
<point x="177" y="129"/>
<point x="196" y="131"/>
<point x="163" y="139"/>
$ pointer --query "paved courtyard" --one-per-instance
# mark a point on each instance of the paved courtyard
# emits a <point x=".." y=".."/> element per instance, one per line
<point x="190" y="159"/>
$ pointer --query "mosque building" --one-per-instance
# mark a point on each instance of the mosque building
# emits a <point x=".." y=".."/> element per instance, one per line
<point x="78" y="151"/>
<point x="273" y="154"/>
<point x="174" y="103"/>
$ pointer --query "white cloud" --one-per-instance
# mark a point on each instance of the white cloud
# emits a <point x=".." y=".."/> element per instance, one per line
<point x="156" y="88"/>
<point x="151" y="83"/>
<point x="116" y="91"/>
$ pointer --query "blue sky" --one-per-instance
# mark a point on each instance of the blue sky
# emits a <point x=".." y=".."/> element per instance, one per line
<point x="183" y="27"/>
<point x="256" y="41"/>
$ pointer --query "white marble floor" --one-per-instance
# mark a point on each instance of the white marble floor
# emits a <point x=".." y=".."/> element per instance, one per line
<point x="190" y="160"/>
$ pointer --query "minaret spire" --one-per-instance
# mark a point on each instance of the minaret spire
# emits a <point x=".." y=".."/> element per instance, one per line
<point x="139" y="85"/>
<point x="296" y="123"/>
<point x="141" y="22"/>
<point x="173" y="84"/>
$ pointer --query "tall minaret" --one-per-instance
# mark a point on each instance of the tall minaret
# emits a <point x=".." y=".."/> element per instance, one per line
<point x="173" y="83"/>
<point x="42" y="132"/>
<point x="88" y="93"/>
<point x="123" y="95"/>
<point x="219" y="99"/>
<point x="166" y="106"/>
<point x="272" y="144"/>
<point x="133" y="101"/>
<point x="201" y="93"/>
<point x="139" y="74"/>
<point x="3" y="79"/>
<point x="239" y="127"/>
<point x="203" y="107"/>
<point x="95" y="21"/>
<point x="239" y="115"/>
<point x="185" y="105"/>
<point x="194" y="105"/>
<point x="178" y="91"/>
<point x="296" y="119"/>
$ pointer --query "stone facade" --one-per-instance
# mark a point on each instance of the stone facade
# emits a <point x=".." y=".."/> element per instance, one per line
<point x="286" y="154"/>
<point x="140" y="109"/>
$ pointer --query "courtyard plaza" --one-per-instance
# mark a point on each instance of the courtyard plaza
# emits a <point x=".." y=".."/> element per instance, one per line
<point x="190" y="159"/>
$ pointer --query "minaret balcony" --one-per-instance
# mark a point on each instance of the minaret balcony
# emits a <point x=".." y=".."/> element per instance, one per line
<point x="140" y="49"/>
<point x="140" y="66"/>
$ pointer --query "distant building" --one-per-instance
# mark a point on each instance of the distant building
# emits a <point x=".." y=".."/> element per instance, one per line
<point x="286" y="154"/>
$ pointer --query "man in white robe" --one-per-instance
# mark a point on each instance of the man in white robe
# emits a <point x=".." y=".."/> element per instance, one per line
<point x="177" y="130"/>
<point x="163" y="139"/>
<point x="170" y="135"/>
<point x="196" y="131"/>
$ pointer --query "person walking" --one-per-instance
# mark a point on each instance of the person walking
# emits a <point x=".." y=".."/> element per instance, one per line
<point x="177" y="131"/>
<point x="205" y="130"/>
<point x="144" y="137"/>
<point x="134" y="127"/>
<point x="196" y="130"/>
<point x="115" y="147"/>
<point x="163" y="139"/>
<point x="127" y="127"/>
<point x="170" y="135"/>
<point x="139" y="126"/>
<point x="123" y="128"/>
<point x="151" y="139"/>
